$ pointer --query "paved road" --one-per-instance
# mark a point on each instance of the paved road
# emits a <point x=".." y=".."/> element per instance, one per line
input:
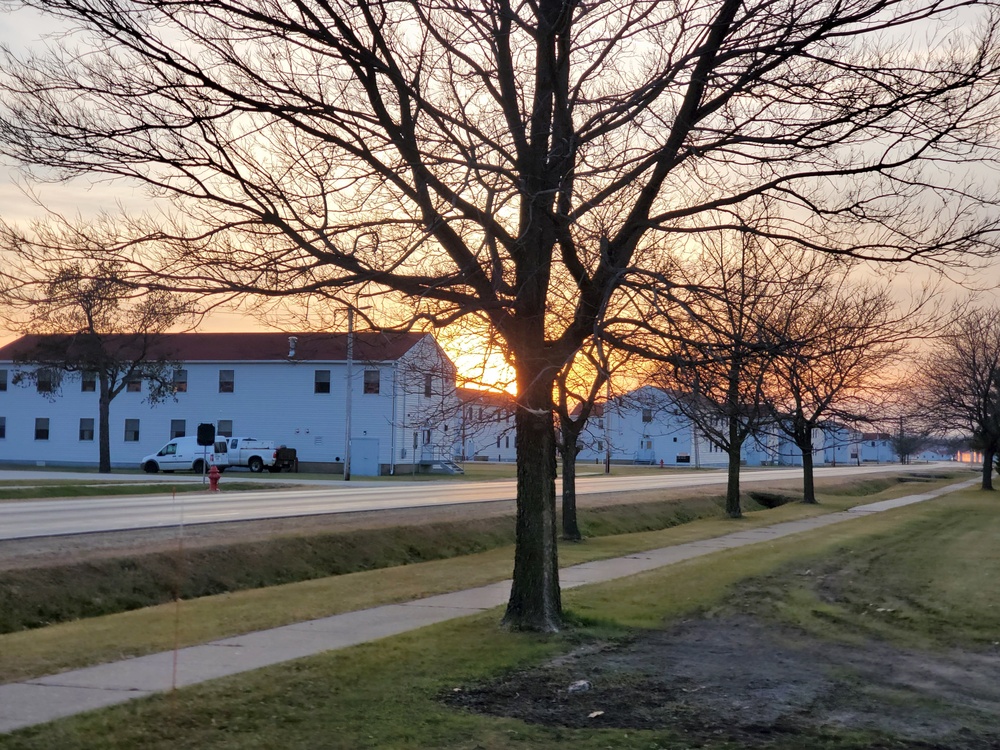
<point x="57" y="517"/>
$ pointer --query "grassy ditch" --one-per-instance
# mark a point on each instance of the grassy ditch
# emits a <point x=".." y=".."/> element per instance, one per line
<point x="33" y="598"/>
<point x="393" y="694"/>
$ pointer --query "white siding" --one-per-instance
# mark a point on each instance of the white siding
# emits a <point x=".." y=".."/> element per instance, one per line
<point x="270" y="400"/>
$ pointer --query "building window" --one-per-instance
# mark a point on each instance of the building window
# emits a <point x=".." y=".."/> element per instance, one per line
<point x="675" y="440"/>
<point x="131" y="430"/>
<point x="600" y="445"/>
<point x="180" y="382"/>
<point x="86" y="428"/>
<point x="507" y="442"/>
<point x="42" y="428"/>
<point x="227" y="381"/>
<point x="178" y="428"/>
<point x="371" y="381"/>
<point x="3" y="380"/>
<point x="3" y="427"/>
<point x="647" y="415"/>
<point x="225" y="428"/>
<point x="322" y="382"/>
<point x="427" y="437"/>
<point x="134" y="384"/>
<point x="88" y="382"/>
<point x="498" y="441"/>
<point x="46" y="381"/>
<point x="600" y="424"/>
<point x="428" y="384"/>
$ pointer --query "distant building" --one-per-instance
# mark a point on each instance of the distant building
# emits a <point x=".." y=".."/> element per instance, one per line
<point x="935" y="452"/>
<point x="276" y="386"/>
<point x="841" y="444"/>
<point x="486" y="426"/>
<point x="645" y="426"/>
<point x="876" y="447"/>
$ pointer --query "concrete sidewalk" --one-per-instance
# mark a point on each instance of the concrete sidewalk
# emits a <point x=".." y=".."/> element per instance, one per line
<point x="37" y="701"/>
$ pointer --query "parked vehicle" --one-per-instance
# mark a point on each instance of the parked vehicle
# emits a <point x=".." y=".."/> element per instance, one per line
<point x="258" y="455"/>
<point x="184" y="453"/>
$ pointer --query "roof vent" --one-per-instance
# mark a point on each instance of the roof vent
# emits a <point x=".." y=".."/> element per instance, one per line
<point x="292" y="341"/>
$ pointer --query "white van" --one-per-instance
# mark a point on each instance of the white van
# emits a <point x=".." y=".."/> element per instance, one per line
<point x="182" y="454"/>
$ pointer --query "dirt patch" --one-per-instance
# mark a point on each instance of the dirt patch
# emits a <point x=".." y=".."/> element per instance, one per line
<point x="743" y="680"/>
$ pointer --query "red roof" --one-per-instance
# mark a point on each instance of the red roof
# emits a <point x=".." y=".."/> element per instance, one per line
<point x="246" y="347"/>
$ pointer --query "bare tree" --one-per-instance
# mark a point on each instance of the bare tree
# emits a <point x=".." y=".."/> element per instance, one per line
<point x="579" y="386"/>
<point x="722" y="366"/>
<point x="88" y="322"/>
<point x="961" y="382"/>
<point x="835" y="346"/>
<point x="906" y="444"/>
<point x="488" y="159"/>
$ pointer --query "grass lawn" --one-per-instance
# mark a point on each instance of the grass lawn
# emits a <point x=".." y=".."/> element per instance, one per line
<point x="922" y="576"/>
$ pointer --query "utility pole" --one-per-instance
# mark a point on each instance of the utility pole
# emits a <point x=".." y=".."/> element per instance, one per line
<point x="607" y="429"/>
<point x="350" y="383"/>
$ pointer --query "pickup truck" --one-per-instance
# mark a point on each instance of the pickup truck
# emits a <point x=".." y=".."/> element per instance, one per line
<point x="259" y="455"/>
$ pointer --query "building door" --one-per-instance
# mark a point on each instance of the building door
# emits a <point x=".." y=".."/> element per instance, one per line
<point x="364" y="457"/>
<point x="645" y="454"/>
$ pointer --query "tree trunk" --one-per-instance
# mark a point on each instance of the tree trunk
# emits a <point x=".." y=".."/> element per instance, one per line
<point x="733" y="509"/>
<point x="988" y="469"/>
<point x="104" y="425"/>
<point x="535" y="602"/>
<point x="808" y="483"/>
<point x="570" y="527"/>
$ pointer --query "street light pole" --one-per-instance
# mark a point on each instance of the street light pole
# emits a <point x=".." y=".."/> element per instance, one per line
<point x="350" y="383"/>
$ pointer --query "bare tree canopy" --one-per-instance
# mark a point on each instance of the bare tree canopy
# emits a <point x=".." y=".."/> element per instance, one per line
<point x="84" y="320"/>
<point x="961" y="383"/>
<point x="489" y="159"/>
<point x="835" y="347"/>
<point x="740" y="292"/>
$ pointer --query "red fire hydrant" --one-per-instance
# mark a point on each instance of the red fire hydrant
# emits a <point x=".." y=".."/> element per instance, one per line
<point x="213" y="478"/>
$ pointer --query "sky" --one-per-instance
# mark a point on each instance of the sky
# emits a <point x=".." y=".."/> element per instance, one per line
<point x="22" y="28"/>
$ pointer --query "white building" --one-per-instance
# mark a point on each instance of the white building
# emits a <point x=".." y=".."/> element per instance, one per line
<point x="842" y="444"/>
<point x="274" y="386"/>
<point x="487" y="431"/>
<point x="645" y="427"/>
<point x="877" y="448"/>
